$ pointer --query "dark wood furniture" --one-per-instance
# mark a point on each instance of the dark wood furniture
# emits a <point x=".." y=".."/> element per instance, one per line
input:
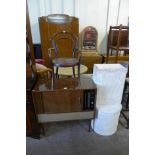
<point x="120" y="58"/>
<point x="48" y="29"/>
<point x="32" y="127"/>
<point x="118" y="40"/>
<point x="74" y="55"/>
<point x="69" y="99"/>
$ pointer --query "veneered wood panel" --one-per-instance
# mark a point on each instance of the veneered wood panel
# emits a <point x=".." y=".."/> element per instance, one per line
<point x="62" y="101"/>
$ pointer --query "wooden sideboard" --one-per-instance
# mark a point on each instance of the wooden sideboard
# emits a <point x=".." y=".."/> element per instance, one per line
<point x="69" y="99"/>
<point x="89" y="58"/>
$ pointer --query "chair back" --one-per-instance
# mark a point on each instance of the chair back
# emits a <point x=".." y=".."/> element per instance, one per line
<point x="66" y="43"/>
<point x="118" y="36"/>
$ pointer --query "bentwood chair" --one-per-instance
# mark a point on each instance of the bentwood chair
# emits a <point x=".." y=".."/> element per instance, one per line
<point x="118" y="40"/>
<point x="64" y="55"/>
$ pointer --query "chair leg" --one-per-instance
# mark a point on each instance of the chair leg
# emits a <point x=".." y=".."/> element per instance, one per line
<point x="107" y="59"/>
<point x="126" y="52"/>
<point x="79" y="71"/>
<point x="73" y="71"/>
<point x="42" y="129"/>
<point x="90" y="129"/>
<point x="57" y="72"/>
<point x="53" y="77"/>
<point x="116" y="58"/>
<point x="111" y="51"/>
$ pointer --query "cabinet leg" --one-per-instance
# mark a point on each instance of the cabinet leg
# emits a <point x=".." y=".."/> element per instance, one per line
<point x="90" y="125"/>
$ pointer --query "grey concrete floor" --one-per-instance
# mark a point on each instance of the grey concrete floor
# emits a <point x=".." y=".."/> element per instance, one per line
<point x="73" y="138"/>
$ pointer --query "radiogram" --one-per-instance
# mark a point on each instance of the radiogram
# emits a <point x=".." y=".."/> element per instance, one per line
<point x="68" y="99"/>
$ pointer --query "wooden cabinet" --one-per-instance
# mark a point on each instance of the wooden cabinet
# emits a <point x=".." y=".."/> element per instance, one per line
<point x="91" y="58"/>
<point x="70" y="99"/>
<point x="32" y="127"/>
<point x="48" y="29"/>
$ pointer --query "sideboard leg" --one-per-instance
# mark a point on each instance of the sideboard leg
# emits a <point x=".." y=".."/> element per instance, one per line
<point x="42" y="129"/>
<point x="90" y="125"/>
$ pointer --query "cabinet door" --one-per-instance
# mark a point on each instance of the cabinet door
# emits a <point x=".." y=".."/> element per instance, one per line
<point x="59" y="102"/>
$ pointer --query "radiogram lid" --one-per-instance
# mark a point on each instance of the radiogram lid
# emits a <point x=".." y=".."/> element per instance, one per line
<point x="64" y="84"/>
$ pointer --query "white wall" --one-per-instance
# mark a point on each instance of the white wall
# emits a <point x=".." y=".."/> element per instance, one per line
<point x="98" y="13"/>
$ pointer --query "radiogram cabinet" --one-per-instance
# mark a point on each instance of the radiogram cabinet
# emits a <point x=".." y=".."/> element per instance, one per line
<point x="68" y="99"/>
